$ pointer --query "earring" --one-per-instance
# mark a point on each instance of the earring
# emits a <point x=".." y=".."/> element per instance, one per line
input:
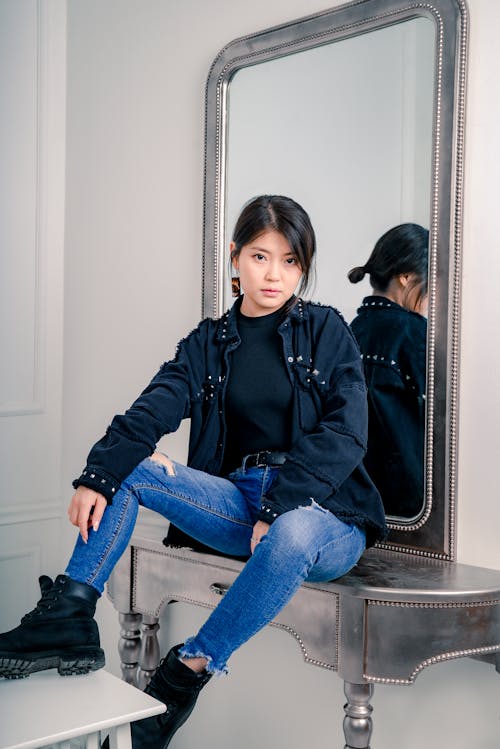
<point x="235" y="286"/>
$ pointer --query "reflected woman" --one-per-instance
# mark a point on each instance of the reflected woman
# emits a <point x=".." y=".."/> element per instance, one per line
<point x="391" y="330"/>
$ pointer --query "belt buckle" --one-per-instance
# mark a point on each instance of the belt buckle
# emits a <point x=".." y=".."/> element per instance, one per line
<point x="261" y="458"/>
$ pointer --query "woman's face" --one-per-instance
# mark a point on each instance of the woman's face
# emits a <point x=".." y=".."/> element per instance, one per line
<point x="269" y="273"/>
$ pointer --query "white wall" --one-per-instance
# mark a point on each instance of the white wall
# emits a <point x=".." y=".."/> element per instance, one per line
<point x="32" y="102"/>
<point x="136" y="77"/>
<point x="479" y="509"/>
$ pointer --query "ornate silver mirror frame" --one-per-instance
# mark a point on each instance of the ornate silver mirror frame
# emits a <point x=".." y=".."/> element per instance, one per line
<point x="433" y="533"/>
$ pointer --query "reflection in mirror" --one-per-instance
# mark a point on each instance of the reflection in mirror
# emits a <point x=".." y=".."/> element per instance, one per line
<point x="391" y="330"/>
<point x="346" y="130"/>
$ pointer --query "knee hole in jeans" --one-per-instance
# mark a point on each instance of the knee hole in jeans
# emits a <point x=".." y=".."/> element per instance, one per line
<point x="164" y="461"/>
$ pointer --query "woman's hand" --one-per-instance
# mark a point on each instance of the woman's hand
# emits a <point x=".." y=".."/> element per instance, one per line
<point x="259" y="530"/>
<point x="86" y="510"/>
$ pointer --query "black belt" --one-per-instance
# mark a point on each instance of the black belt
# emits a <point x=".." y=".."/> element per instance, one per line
<point x="264" y="458"/>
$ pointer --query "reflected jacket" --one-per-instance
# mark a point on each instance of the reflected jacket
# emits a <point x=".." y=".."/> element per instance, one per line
<point x="329" y="417"/>
<point x="393" y="344"/>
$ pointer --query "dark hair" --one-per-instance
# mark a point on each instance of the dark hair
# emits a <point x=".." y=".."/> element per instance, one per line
<point x="284" y="215"/>
<point x="402" y="249"/>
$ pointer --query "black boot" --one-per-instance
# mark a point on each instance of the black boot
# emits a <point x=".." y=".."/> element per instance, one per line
<point x="59" y="633"/>
<point x="178" y="687"/>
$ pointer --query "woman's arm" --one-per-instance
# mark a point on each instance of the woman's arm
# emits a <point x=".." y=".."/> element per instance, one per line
<point x="159" y="410"/>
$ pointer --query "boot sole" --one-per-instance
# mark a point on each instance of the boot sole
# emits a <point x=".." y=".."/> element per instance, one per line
<point x="77" y="661"/>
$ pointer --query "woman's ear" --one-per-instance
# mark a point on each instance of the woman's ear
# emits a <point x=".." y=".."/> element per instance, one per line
<point x="234" y="259"/>
<point x="404" y="279"/>
<point x="235" y="279"/>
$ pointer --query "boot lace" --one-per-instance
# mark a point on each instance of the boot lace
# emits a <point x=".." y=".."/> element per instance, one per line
<point x="49" y="596"/>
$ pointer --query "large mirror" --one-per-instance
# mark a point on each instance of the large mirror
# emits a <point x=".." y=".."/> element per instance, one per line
<point x="357" y="113"/>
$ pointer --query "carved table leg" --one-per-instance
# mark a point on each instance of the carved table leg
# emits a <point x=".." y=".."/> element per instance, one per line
<point x="129" y="646"/>
<point x="357" y="721"/>
<point x="149" y="657"/>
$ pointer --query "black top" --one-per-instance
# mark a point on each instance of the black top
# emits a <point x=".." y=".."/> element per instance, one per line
<point x="259" y="391"/>
<point x="393" y="346"/>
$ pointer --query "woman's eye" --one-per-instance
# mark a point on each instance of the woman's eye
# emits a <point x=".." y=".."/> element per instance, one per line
<point x="291" y="261"/>
<point x="258" y="256"/>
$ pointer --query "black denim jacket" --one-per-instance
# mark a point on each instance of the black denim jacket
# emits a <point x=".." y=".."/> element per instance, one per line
<point x="329" y="420"/>
<point x="393" y="343"/>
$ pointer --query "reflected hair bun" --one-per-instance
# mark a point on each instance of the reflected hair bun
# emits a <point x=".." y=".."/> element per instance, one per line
<point x="357" y="274"/>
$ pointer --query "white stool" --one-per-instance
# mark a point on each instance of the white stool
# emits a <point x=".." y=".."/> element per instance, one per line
<point x="49" y="710"/>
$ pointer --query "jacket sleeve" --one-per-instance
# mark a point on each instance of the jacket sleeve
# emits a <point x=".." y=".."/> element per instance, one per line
<point x="322" y="458"/>
<point x="159" y="410"/>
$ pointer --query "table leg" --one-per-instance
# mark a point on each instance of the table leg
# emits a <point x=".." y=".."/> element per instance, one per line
<point x="93" y="741"/>
<point x="119" y="737"/>
<point x="129" y="646"/>
<point x="149" y="656"/>
<point x="357" y="721"/>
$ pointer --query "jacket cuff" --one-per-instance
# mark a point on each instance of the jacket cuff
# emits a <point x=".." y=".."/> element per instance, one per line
<point x="269" y="512"/>
<point x="92" y="478"/>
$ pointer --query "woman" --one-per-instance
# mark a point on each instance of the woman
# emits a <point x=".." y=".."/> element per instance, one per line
<point x="391" y="330"/>
<point x="275" y="393"/>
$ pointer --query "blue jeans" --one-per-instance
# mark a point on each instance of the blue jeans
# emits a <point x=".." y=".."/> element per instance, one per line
<point x="308" y="543"/>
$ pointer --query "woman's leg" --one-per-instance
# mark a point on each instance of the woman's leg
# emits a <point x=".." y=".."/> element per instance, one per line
<point x="209" y="508"/>
<point x="61" y="631"/>
<point x="304" y="544"/>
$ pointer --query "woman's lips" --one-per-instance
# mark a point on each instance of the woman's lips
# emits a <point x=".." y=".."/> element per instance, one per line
<point x="270" y="292"/>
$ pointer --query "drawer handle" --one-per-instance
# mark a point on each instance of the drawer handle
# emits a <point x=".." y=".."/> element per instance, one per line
<point x="219" y="588"/>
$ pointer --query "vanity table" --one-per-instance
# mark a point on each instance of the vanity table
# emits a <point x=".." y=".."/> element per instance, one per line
<point x="434" y="610"/>
<point x="407" y="604"/>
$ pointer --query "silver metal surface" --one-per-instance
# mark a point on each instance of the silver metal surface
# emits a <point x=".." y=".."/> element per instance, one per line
<point x="389" y="576"/>
<point x="357" y="721"/>
<point x="384" y="622"/>
<point x="433" y="533"/>
<point x="161" y="575"/>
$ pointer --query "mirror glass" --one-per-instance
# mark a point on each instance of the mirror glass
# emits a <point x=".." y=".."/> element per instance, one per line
<point x="346" y="129"/>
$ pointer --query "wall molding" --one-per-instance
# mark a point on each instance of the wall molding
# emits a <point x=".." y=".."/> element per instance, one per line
<point x="34" y="512"/>
<point x="28" y="552"/>
<point x="36" y="403"/>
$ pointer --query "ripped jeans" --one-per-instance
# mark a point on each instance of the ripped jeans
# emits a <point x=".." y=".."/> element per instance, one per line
<point x="308" y="543"/>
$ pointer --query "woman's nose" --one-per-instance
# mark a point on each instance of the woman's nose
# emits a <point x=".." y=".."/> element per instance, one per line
<point x="273" y="271"/>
